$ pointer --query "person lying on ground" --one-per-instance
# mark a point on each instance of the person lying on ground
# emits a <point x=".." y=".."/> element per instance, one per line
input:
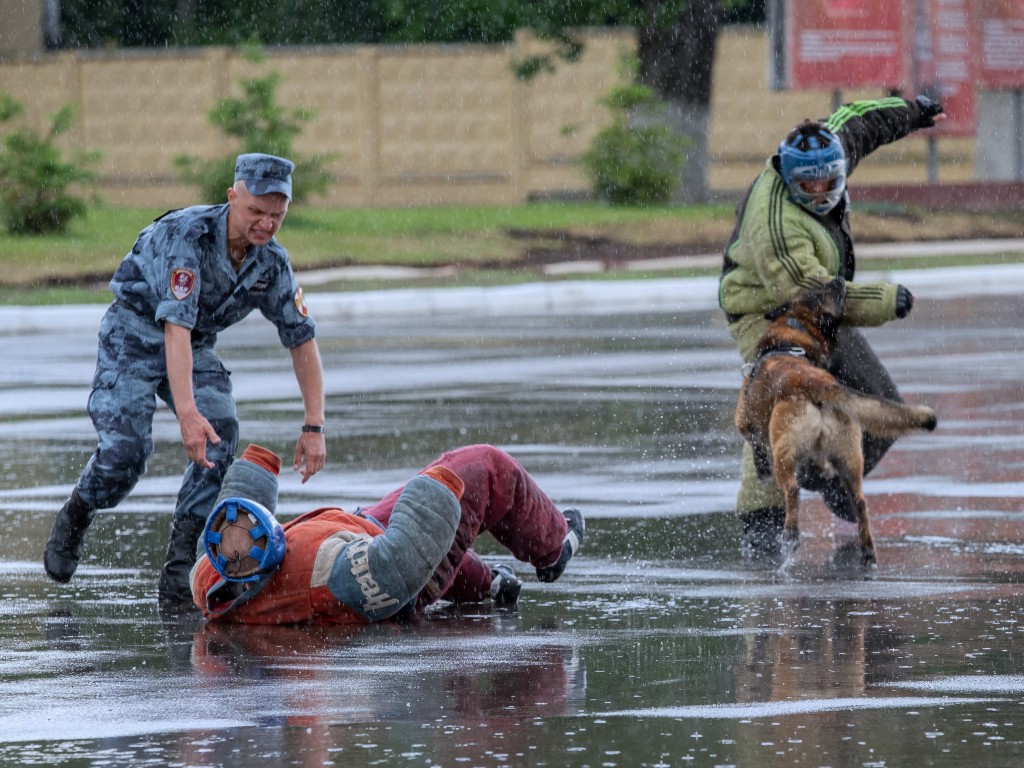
<point x="391" y="559"/>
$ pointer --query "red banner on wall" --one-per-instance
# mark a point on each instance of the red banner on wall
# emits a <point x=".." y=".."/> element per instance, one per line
<point x="1000" y="25"/>
<point x="915" y="46"/>
<point x="944" y="64"/>
<point x="838" y="44"/>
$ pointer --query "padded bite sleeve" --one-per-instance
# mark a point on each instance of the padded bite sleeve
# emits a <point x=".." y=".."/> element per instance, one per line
<point x="377" y="576"/>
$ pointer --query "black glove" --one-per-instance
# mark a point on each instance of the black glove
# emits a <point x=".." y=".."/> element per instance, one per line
<point x="904" y="301"/>
<point x="929" y="109"/>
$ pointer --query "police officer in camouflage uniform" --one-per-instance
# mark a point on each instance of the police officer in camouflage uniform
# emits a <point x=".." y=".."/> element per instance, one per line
<point x="792" y="233"/>
<point x="191" y="274"/>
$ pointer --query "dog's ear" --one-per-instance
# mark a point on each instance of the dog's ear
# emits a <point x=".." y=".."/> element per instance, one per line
<point x="836" y="289"/>
<point x="779" y="311"/>
<point x="826" y="302"/>
<point x="833" y="302"/>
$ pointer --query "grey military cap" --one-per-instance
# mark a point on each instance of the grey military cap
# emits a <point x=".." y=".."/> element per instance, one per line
<point x="264" y="174"/>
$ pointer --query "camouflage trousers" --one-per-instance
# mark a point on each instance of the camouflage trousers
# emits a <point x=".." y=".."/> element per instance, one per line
<point x="131" y="373"/>
<point x="853" y="363"/>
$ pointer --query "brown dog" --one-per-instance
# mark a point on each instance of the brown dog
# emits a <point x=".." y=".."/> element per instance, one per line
<point x="804" y="426"/>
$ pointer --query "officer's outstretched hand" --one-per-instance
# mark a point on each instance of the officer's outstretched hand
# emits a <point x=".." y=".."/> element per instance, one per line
<point x="904" y="301"/>
<point x="931" y="111"/>
<point x="195" y="432"/>
<point x="310" y="454"/>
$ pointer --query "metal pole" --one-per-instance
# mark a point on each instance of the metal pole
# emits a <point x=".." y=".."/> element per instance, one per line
<point x="933" y="160"/>
<point x="1018" y="133"/>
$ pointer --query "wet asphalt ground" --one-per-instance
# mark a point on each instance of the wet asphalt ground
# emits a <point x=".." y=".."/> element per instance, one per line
<point x="660" y="646"/>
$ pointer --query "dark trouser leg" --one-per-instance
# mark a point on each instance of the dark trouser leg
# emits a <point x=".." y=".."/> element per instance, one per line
<point x="762" y="529"/>
<point x="855" y="365"/>
<point x="121" y="407"/>
<point x="174" y="587"/>
<point x="197" y="495"/>
<point x="200" y="486"/>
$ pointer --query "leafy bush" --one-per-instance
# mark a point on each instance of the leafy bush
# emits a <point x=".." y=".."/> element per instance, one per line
<point x="632" y="164"/>
<point x="258" y="124"/>
<point x="34" y="176"/>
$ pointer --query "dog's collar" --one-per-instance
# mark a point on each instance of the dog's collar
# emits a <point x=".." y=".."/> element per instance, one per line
<point x="782" y="349"/>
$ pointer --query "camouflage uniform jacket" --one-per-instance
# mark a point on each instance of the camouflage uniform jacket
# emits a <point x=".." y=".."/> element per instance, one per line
<point x="179" y="272"/>
<point x="778" y="248"/>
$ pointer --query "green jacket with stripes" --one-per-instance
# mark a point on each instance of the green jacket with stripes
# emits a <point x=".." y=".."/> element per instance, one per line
<point x="779" y="248"/>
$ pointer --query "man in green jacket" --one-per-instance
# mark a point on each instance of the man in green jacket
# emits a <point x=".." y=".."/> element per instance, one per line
<point x="792" y="233"/>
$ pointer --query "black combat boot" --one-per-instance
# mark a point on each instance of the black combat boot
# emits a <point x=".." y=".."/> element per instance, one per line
<point x="174" y="587"/>
<point x="64" y="547"/>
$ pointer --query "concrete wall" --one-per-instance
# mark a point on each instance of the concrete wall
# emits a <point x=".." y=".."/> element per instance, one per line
<point x="21" y="27"/>
<point x="748" y="121"/>
<point x="1001" y="121"/>
<point x="417" y="125"/>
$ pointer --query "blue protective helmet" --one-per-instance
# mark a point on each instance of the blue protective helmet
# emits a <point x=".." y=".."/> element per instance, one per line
<point x="243" y="540"/>
<point x="808" y="156"/>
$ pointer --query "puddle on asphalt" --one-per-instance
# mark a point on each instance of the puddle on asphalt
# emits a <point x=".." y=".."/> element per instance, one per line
<point x="660" y="646"/>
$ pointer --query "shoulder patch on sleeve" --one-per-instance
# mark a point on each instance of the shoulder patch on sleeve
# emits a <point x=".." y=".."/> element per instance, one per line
<point x="300" y="302"/>
<point x="182" y="283"/>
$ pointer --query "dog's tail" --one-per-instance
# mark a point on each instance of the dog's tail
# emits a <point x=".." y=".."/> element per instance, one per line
<point x="888" y="418"/>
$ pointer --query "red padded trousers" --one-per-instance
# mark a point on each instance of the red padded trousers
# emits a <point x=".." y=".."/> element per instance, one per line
<point x="500" y="497"/>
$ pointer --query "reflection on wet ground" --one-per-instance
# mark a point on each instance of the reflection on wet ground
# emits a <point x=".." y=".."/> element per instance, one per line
<point x="660" y="646"/>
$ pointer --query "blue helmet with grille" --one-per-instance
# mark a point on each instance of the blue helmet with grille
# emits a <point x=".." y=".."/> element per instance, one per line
<point x="243" y="540"/>
<point x="812" y="162"/>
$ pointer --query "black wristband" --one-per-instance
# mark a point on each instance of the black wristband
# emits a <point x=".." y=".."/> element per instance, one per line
<point x="313" y="428"/>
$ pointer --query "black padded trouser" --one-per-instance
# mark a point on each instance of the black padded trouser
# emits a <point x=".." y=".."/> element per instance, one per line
<point x="855" y="365"/>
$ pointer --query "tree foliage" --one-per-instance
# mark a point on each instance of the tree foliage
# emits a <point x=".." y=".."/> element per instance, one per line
<point x="676" y="38"/>
<point x="157" y="23"/>
<point x="35" y="176"/>
<point x="256" y="123"/>
<point x="632" y="163"/>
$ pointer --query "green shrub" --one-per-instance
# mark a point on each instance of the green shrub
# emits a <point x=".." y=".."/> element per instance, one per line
<point x="634" y="164"/>
<point x="257" y="124"/>
<point x="34" y="176"/>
